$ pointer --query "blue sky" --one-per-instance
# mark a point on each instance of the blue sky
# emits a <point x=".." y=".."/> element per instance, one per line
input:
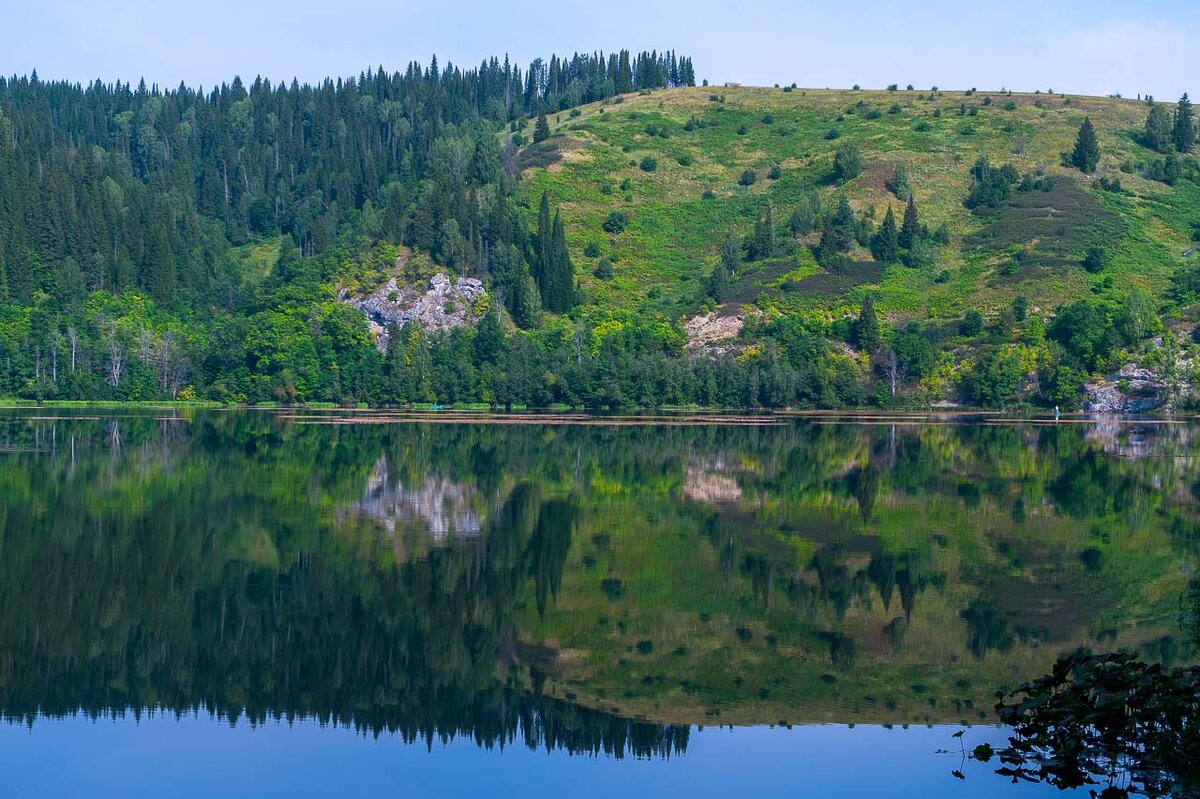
<point x="1095" y="47"/>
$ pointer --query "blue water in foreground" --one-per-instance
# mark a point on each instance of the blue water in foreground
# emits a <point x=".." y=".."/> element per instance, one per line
<point x="202" y="757"/>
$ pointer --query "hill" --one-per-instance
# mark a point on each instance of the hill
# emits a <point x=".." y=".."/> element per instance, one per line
<point x="703" y="140"/>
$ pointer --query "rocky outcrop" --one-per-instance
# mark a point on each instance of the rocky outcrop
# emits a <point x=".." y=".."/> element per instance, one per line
<point x="713" y="333"/>
<point x="1134" y="389"/>
<point x="447" y="304"/>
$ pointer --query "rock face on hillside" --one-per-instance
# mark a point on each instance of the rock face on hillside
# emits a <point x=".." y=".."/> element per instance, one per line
<point x="1134" y="389"/>
<point x="447" y="304"/>
<point x="713" y="333"/>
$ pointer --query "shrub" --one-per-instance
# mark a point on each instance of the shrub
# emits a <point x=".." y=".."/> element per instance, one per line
<point x="972" y="323"/>
<point x="591" y="249"/>
<point x="616" y="223"/>
<point x="649" y="164"/>
<point x="768" y="119"/>
<point x="684" y="160"/>
<point x="603" y="269"/>
<point x="833" y="134"/>
<point x="776" y="172"/>
<point x="847" y="162"/>
<point x="748" y="178"/>
<point x="1095" y="260"/>
<point x="743" y="130"/>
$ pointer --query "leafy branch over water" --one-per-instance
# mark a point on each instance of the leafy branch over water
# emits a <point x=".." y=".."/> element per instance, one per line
<point x="1105" y="720"/>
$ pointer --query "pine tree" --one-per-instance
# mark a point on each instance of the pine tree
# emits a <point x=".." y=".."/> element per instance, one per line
<point x="1086" y="155"/>
<point x="843" y="224"/>
<point x="489" y="339"/>
<point x="1158" y="133"/>
<point x="887" y="240"/>
<point x="898" y="185"/>
<point x="541" y="259"/>
<point x="541" y="131"/>
<point x="718" y="283"/>
<point x="731" y="254"/>
<point x="866" y="328"/>
<point x="1184" y="134"/>
<point x="559" y="292"/>
<point x="910" y="229"/>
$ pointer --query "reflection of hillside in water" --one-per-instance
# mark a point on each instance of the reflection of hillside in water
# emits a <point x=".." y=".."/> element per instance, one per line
<point x="847" y="572"/>
<point x="443" y="508"/>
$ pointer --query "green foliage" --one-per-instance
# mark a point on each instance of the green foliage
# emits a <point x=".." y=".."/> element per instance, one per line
<point x="616" y="223"/>
<point x="886" y="243"/>
<point x="541" y="130"/>
<point x="1086" y="155"/>
<point x="898" y="184"/>
<point x="1158" y="134"/>
<point x="649" y="164"/>
<point x="1095" y="260"/>
<point x="866" y="327"/>
<point x="1183" y="134"/>
<point x="847" y="162"/>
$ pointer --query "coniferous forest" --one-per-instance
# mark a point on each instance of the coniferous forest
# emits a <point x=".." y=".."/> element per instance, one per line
<point x="639" y="242"/>
<point x="131" y="218"/>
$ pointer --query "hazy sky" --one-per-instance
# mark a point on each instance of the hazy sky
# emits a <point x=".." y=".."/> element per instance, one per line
<point x="1083" y="46"/>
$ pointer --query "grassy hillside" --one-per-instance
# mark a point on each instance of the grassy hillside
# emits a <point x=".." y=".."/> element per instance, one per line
<point x="592" y="166"/>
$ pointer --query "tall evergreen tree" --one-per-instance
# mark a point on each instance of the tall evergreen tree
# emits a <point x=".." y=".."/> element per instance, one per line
<point x="1184" y="133"/>
<point x="886" y="244"/>
<point x="541" y="131"/>
<point x="910" y="228"/>
<point x="559" y="292"/>
<point x="1158" y="134"/>
<point x="1086" y="155"/>
<point x="731" y="254"/>
<point x="866" y="327"/>
<point x="541" y="260"/>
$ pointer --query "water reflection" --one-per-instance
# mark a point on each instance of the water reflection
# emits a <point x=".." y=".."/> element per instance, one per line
<point x="597" y="589"/>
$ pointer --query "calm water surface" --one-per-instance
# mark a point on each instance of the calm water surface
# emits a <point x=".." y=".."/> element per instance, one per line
<point x="213" y="602"/>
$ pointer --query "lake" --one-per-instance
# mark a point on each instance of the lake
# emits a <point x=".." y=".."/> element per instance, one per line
<point x="205" y="602"/>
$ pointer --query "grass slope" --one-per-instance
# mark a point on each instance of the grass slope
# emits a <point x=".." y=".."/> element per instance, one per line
<point x="592" y="166"/>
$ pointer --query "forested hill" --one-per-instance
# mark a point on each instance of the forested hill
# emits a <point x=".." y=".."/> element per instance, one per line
<point x="642" y="241"/>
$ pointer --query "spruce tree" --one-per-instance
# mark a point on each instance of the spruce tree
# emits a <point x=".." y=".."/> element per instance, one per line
<point x="559" y="293"/>
<point x="1159" y="133"/>
<point x="542" y="257"/>
<point x="898" y="185"/>
<point x="1086" y="155"/>
<point x="731" y="254"/>
<point x="910" y="229"/>
<point x="541" y="131"/>
<point x="887" y="240"/>
<point x="866" y="328"/>
<point x="718" y="283"/>
<point x="1184" y="134"/>
<point x="843" y="224"/>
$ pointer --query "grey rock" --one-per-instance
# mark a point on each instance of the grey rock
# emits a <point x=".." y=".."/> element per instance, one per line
<point x="445" y="305"/>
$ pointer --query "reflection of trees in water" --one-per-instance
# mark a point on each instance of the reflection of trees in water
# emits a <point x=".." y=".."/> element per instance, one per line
<point x="192" y="603"/>
<point x="197" y="564"/>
